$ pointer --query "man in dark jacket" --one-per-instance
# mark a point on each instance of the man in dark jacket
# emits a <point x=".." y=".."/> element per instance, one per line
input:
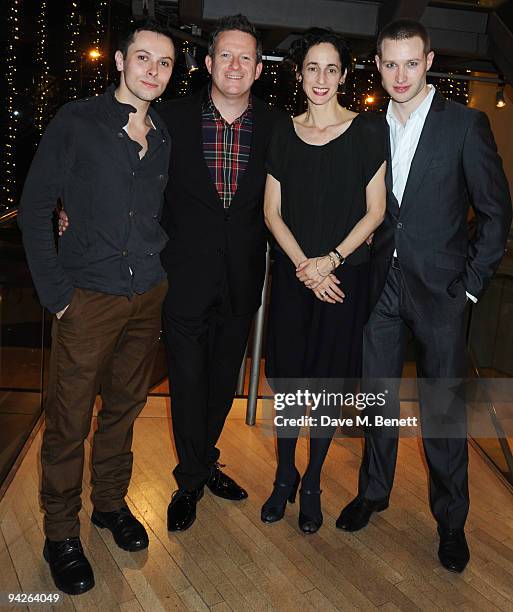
<point x="215" y="258"/>
<point x="106" y="158"/>
<point x="442" y="159"/>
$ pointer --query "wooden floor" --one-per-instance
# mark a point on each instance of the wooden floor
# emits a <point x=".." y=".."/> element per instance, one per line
<point x="229" y="560"/>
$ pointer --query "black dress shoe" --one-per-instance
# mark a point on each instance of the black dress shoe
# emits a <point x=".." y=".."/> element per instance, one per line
<point x="453" y="550"/>
<point x="356" y="515"/>
<point x="310" y="515"/>
<point x="274" y="508"/>
<point x="70" y="568"/>
<point x="129" y="534"/>
<point x="181" y="512"/>
<point x="223" y="486"/>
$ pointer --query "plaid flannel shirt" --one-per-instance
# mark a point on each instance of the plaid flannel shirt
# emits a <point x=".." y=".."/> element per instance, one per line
<point x="226" y="148"/>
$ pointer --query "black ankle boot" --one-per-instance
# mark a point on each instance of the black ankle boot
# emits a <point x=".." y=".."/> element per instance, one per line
<point x="70" y="568"/>
<point x="310" y="515"/>
<point x="274" y="508"/>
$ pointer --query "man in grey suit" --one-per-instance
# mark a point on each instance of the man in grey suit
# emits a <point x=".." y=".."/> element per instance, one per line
<point x="442" y="160"/>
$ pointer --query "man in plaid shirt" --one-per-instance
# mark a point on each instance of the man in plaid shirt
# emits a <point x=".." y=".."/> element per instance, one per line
<point x="215" y="258"/>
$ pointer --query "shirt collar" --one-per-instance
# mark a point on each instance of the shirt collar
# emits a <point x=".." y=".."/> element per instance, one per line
<point x="421" y="111"/>
<point x="209" y="106"/>
<point x="123" y="110"/>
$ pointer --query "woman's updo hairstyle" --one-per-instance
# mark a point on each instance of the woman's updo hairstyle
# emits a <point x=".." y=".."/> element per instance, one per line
<point x="315" y="36"/>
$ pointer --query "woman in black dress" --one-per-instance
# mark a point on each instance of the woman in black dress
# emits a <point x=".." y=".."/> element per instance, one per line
<point x="325" y="195"/>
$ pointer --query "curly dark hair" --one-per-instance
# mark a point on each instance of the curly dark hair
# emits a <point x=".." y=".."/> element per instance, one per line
<point x="316" y="36"/>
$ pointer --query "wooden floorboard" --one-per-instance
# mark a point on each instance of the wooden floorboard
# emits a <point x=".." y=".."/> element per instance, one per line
<point x="230" y="560"/>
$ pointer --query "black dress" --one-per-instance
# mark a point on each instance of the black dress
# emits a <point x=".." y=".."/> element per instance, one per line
<point x="322" y="199"/>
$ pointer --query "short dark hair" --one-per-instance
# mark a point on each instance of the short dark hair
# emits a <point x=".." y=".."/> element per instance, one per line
<point x="235" y="22"/>
<point x="146" y="25"/>
<point x="315" y="36"/>
<point x="404" y="29"/>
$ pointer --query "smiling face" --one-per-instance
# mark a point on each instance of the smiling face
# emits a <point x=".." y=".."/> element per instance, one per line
<point x="321" y="73"/>
<point x="403" y="66"/>
<point x="233" y="67"/>
<point x="147" y="66"/>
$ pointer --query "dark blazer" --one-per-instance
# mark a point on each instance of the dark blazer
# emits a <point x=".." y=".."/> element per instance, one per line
<point x="200" y="230"/>
<point x="455" y="166"/>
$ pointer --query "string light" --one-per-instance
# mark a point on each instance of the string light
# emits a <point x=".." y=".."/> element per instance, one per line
<point x="97" y="81"/>
<point x="8" y="186"/>
<point x="43" y="81"/>
<point x="291" y="106"/>
<point x="369" y="88"/>
<point x="185" y="83"/>
<point x="274" y="82"/>
<point x="72" y="65"/>
<point x="453" y="88"/>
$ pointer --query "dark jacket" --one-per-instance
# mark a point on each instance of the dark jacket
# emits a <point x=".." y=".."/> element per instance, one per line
<point x="112" y="198"/>
<point x="200" y="230"/>
<point x="455" y="166"/>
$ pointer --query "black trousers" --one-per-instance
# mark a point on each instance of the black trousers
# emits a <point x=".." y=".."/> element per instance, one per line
<point x="204" y="354"/>
<point x="440" y="353"/>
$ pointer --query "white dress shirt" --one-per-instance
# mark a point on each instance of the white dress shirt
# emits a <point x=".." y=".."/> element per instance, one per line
<point x="404" y="140"/>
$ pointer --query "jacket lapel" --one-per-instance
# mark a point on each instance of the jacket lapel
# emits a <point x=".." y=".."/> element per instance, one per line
<point x="426" y="149"/>
<point x="255" y="154"/>
<point x="202" y="179"/>
<point x="393" y="204"/>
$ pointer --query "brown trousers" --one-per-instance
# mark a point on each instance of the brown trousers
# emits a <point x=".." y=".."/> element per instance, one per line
<point x="103" y="343"/>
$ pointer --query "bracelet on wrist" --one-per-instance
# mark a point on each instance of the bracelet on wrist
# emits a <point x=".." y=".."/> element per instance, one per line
<point x="339" y="256"/>
<point x="317" y="268"/>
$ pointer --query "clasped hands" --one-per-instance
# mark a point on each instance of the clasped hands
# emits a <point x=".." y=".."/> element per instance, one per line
<point x="317" y="274"/>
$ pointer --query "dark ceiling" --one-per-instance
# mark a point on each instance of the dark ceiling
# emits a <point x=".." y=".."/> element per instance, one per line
<point x="466" y="34"/>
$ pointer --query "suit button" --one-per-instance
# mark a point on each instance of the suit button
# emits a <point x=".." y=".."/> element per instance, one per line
<point x="220" y="251"/>
<point x="125" y="253"/>
<point x="131" y="213"/>
<point x="227" y="217"/>
<point x="120" y="135"/>
<point x="399" y="225"/>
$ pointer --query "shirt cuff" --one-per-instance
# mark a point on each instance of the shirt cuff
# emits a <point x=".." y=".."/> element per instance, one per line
<point x="471" y="297"/>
